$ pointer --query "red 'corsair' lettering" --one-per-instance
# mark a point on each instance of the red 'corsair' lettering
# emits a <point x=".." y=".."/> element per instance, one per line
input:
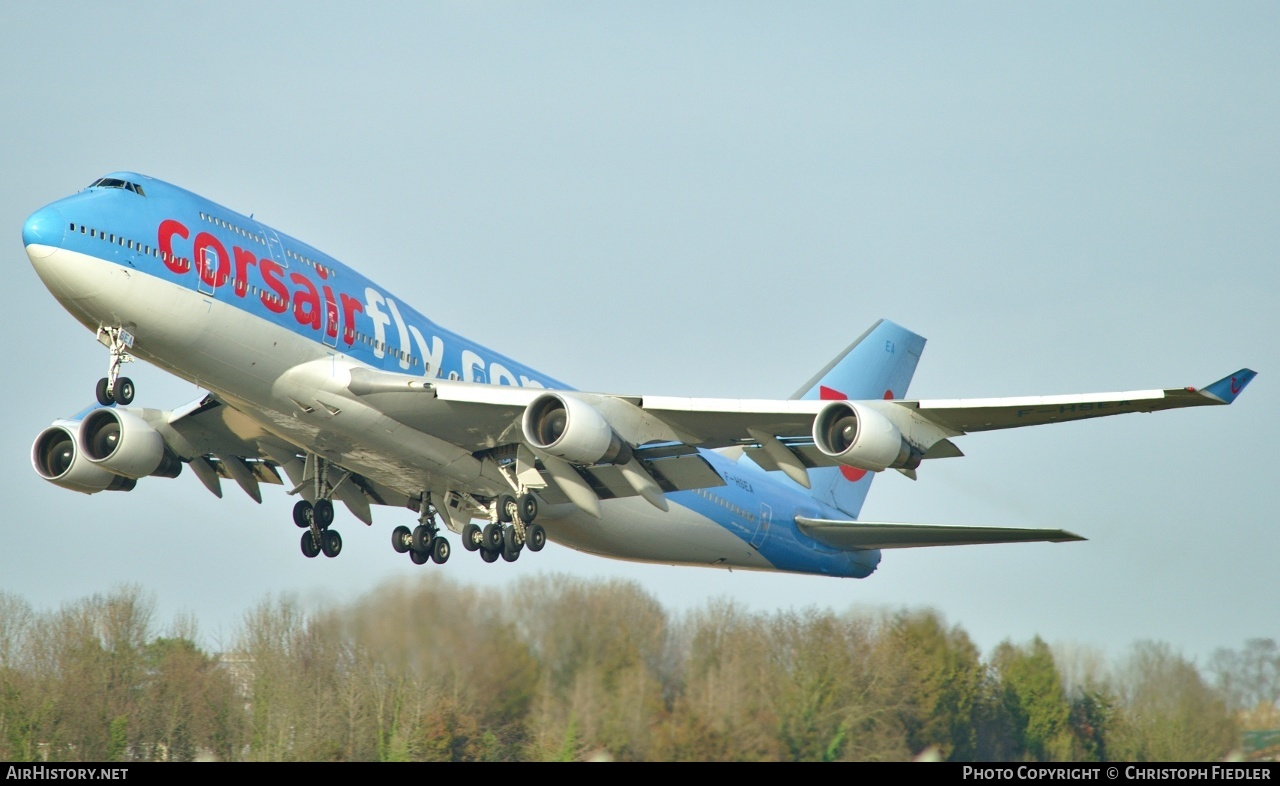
<point x="215" y="266"/>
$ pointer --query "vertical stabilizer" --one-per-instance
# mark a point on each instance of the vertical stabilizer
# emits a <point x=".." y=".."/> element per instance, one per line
<point x="879" y="365"/>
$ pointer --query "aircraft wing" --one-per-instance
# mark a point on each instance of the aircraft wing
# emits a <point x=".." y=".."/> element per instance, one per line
<point x="664" y="432"/>
<point x="847" y="535"/>
<point x="490" y="413"/>
<point x="722" y="422"/>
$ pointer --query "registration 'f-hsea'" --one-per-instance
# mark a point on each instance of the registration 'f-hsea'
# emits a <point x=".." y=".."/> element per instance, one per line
<point x="317" y="372"/>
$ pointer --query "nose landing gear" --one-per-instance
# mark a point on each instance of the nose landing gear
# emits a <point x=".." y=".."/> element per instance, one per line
<point x="114" y="388"/>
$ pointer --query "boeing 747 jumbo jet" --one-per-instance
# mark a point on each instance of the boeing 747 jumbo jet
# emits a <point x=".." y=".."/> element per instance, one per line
<point x="315" y="370"/>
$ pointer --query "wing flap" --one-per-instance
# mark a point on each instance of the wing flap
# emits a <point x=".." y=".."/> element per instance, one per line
<point x="684" y="473"/>
<point x="811" y="457"/>
<point x="672" y="473"/>
<point x="851" y="535"/>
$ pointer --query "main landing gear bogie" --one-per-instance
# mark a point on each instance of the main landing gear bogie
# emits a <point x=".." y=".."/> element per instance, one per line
<point x="510" y="530"/>
<point x="423" y="543"/>
<point x="316" y="517"/>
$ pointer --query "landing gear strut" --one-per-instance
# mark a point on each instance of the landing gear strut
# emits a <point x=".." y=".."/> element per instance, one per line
<point x="114" y="388"/>
<point x="316" y="517"/>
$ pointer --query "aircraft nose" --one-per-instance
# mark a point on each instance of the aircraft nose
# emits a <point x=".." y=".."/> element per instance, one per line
<point x="43" y="232"/>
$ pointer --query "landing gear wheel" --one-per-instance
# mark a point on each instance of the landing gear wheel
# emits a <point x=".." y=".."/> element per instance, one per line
<point x="440" y="551"/>
<point x="488" y="555"/>
<point x="421" y="539"/>
<point x="493" y="536"/>
<point x="331" y="543"/>
<point x="302" y="512"/>
<point x="506" y="508"/>
<point x="511" y="541"/>
<point x="528" y="505"/>
<point x="309" y="548"/>
<point x="104" y="398"/>
<point x="400" y="539"/>
<point x="322" y="511"/>
<point x="535" y="538"/>
<point x="123" y="393"/>
<point x="511" y="555"/>
<point x="419" y="557"/>
<point x="472" y="537"/>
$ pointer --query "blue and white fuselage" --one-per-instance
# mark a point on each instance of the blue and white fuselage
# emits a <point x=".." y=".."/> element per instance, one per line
<point x="256" y="316"/>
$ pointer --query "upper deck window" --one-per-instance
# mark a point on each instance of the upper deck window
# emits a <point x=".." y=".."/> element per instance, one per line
<point x="111" y="182"/>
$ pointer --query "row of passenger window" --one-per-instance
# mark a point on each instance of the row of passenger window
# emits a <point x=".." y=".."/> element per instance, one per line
<point x="724" y="503"/>
<point x="324" y="270"/>
<point x="121" y="240"/>
<point x="230" y="227"/>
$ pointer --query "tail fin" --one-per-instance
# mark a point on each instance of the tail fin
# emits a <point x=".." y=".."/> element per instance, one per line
<point x="879" y="364"/>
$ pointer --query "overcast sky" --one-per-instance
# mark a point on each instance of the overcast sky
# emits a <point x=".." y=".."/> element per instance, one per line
<point x="714" y="199"/>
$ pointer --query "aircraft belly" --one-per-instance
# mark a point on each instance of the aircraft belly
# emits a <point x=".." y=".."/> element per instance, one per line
<point x="632" y="529"/>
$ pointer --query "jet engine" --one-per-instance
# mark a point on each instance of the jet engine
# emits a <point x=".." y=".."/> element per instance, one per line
<point x="124" y="444"/>
<point x="57" y="459"/>
<point x="573" y="430"/>
<point x="857" y="436"/>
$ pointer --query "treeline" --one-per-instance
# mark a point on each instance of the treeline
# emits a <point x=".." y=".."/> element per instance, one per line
<point x="558" y="668"/>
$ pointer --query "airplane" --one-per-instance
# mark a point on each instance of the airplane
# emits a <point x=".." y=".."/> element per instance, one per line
<point x="316" y="371"/>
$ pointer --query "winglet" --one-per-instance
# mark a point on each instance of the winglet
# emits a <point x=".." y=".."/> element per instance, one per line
<point x="1227" y="388"/>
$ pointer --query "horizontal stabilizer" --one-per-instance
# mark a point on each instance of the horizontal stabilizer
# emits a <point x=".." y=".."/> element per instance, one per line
<point x="848" y="535"/>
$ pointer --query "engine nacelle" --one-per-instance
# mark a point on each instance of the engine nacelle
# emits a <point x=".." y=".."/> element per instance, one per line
<point x="124" y="444"/>
<point x="858" y="436"/>
<point x="57" y="458"/>
<point x="573" y="430"/>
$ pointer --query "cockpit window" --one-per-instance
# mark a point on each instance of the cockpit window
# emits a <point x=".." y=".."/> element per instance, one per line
<point x="112" y="182"/>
